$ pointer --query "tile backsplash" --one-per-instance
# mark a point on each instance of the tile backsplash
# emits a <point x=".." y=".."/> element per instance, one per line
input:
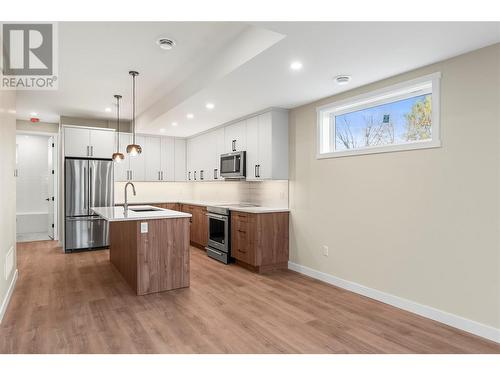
<point x="261" y="193"/>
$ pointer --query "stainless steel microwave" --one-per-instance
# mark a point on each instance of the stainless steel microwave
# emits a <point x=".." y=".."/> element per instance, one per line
<point x="233" y="165"/>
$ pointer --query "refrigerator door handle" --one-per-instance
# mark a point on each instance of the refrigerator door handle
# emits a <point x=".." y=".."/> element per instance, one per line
<point x="90" y="190"/>
<point x="85" y="189"/>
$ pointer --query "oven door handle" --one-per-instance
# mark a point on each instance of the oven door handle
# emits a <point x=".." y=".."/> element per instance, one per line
<point x="215" y="216"/>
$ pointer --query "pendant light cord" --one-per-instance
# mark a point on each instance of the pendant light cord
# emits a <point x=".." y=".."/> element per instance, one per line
<point x="118" y="125"/>
<point x="133" y="106"/>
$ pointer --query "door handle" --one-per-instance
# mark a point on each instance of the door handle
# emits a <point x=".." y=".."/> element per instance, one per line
<point x="201" y="174"/>
<point x="258" y="170"/>
<point x="215" y="174"/>
<point x="195" y="175"/>
<point x="234" y="144"/>
<point x="189" y="175"/>
<point x="255" y="171"/>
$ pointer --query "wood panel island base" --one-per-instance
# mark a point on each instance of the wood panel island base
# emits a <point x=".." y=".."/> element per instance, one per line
<point x="151" y="253"/>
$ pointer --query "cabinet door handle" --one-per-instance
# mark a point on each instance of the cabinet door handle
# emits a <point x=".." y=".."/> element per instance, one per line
<point x="189" y="175"/>
<point x="255" y="171"/>
<point x="195" y="175"/>
<point x="215" y="174"/>
<point x="234" y="144"/>
<point x="91" y="150"/>
<point x="201" y="174"/>
<point x="131" y="175"/>
<point x="88" y="151"/>
<point x="258" y="170"/>
<point x="162" y="175"/>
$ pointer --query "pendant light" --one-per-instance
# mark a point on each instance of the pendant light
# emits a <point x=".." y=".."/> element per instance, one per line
<point x="118" y="156"/>
<point x="133" y="149"/>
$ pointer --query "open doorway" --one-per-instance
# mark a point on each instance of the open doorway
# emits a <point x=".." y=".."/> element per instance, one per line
<point x="35" y="184"/>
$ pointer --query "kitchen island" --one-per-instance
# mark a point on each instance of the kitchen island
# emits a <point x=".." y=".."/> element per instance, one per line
<point x="149" y="246"/>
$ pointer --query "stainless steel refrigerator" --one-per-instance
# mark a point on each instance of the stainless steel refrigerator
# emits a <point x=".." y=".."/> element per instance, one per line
<point x="88" y="183"/>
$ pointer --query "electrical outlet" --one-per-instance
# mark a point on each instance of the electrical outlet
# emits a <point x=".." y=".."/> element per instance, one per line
<point x="325" y="250"/>
<point x="144" y="227"/>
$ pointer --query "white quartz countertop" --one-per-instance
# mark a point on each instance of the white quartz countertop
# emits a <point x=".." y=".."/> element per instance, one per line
<point x="118" y="214"/>
<point x="230" y="205"/>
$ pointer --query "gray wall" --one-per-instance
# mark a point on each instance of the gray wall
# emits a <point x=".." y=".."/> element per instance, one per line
<point x="423" y="224"/>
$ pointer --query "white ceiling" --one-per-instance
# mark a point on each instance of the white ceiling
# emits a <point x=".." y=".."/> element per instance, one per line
<point x="241" y="68"/>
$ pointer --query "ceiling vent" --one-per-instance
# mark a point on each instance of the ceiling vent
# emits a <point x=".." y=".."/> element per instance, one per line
<point x="342" y="79"/>
<point x="166" y="43"/>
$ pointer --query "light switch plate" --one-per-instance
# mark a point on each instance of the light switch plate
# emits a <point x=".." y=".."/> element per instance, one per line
<point x="144" y="227"/>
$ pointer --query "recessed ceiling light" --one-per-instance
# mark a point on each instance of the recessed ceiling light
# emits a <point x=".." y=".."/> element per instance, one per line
<point x="342" y="79"/>
<point x="107" y="109"/>
<point x="209" y="106"/>
<point x="190" y="116"/>
<point x="166" y="43"/>
<point x="174" y="124"/>
<point x="296" y="65"/>
<point x="33" y="114"/>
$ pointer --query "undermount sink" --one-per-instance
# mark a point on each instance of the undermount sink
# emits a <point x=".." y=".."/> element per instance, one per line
<point x="145" y="209"/>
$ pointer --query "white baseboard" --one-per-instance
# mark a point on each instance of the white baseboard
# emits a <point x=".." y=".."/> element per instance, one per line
<point x="452" y="320"/>
<point x="8" y="295"/>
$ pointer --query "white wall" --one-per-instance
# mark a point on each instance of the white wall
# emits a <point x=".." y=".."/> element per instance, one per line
<point x="422" y="225"/>
<point x="7" y="196"/>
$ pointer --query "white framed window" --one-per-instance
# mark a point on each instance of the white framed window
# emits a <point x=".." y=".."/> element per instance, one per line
<point x="400" y="117"/>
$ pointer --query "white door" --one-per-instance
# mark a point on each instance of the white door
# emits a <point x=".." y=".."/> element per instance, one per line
<point x="265" y="142"/>
<point x="167" y="159"/>
<point x="50" y="187"/>
<point x="76" y="142"/>
<point x="252" y="148"/>
<point x="137" y="162"/>
<point x="180" y="160"/>
<point x="102" y="143"/>
<point x="151" y="152"/>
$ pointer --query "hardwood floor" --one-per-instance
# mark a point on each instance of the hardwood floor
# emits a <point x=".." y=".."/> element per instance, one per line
<point x="78" y="303"/>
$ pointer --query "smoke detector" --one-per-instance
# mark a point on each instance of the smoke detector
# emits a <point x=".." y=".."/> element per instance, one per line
<point x="342" y="79"/>
<point x="166" y="43"/>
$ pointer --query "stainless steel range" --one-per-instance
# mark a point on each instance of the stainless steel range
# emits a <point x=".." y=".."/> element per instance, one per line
<point x="219" y="234"/>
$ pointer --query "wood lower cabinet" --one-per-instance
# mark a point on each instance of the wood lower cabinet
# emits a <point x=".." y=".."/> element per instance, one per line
<point x="260" y="241"/>
<point x="199" y="224"/>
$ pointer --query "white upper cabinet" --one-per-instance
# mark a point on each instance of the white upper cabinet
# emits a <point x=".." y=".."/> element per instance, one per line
<point x="235" y="137"/>
<point x="89" y="143"/>
<point x="137" y="162"/>
<point x="122" y="169"/>
<point x="267" y="146"/>
<point x="219" y="141"/>
<point x="180" y="160"/>
<point x="76" y="142"/>
<point x="167" y="171"/>
<point x="102" y="143"/>
<point x="151" y="151"/>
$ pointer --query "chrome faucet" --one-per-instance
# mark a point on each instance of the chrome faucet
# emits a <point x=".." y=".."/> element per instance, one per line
<point x="125" y="206"/>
